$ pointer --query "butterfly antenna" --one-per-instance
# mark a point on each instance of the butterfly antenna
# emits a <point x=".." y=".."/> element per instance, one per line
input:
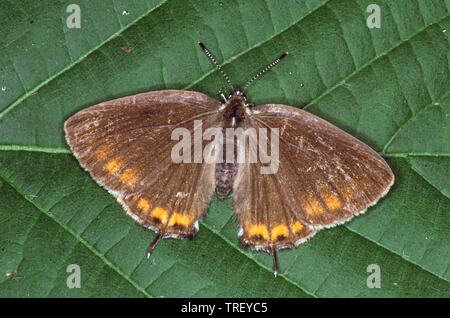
<point x="268" y="67"/>
<point x="213" y="59"/>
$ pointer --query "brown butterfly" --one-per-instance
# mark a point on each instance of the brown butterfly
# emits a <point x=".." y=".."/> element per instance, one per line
<point x="324" y="177"/>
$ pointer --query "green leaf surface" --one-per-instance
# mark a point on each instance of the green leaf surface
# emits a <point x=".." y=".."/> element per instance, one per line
<point x="388" y="87"/>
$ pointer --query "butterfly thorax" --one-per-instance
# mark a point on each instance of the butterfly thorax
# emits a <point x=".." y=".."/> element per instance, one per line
<point x="233" y="117"/>
<point x="234" y="111"/>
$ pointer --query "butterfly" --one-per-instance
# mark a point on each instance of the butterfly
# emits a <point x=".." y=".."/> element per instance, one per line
<point x="324" y="176"/>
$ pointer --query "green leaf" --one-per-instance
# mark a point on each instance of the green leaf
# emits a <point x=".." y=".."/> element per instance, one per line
<point x="388" y="87"/>
<point x="434" y="170"/>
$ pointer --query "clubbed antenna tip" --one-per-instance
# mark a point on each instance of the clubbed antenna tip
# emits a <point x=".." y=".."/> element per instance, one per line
<point x="202" y="45"/>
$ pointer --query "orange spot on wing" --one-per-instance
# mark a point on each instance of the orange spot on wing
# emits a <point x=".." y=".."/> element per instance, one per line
<point x="102" y="153"/>
<point x="332" y="201"/>
<point x="258" y="230"/>
<point x="113" y="166"/>
<point x="160" y="214"/>
<point x="297" y="227"/>
<point x="279" y="231"/>
<point x="180" y="219"/>
<point x="312" y="206"/>
<point x="143" y="204"/>
<point x="130" y="176"/>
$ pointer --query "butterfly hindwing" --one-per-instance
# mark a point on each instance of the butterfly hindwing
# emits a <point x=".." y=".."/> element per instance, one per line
<point x="174" y="211"/>
<point x="126" y="145"/>
<point x="324" y="177"/>
<point x="266" y="218"/>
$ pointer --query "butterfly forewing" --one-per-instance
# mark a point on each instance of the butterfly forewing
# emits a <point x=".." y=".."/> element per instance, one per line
<point x="325" y="176"/>
<point x="126" y="146"/>
<point x="122" y="142"/>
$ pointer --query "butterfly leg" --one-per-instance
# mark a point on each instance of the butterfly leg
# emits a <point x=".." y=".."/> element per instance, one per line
<point x="153" y="244"/>
<point x="275" y="261"/>
<point x="222" y="95"/>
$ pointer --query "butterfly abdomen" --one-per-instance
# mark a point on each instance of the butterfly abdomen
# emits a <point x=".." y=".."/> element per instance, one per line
<point x="233" y="117"/>
<point x="225" y="173"/>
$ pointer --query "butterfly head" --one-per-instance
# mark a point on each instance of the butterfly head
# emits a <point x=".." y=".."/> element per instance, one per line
<point x="237" y="93"/>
